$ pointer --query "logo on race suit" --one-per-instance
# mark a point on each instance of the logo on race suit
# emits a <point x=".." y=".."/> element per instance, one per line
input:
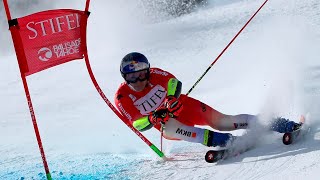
<point x="186" y="133"/>
<point x="44" y="54"/>
<point x="203" y="107"/>
<point x="155" y="71"/>
<point x="124" y="112"/>
<point x="151" y="101"/>
<point x="239" y="125"/>
<point x="119" y="96"/>
<point x="173" y="83"/>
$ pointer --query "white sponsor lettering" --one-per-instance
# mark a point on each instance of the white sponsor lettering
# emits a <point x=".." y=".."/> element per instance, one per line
<point x="60" y="50"/>
<point x="159" y="72"/>
<point x="151" y="101"/>
<point x="184" y="132"/>
<point x="125" y="113"/>
<point x="53" y="25"/>
<point x="68" y="48"/>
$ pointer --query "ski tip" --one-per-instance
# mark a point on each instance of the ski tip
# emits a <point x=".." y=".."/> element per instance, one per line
<point x="287" y="139"/>
<point x="213" y="156"/>
<point x="210" y="157"/>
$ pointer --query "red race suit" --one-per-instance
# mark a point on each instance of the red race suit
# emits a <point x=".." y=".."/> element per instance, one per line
<point x="134" y="105"/>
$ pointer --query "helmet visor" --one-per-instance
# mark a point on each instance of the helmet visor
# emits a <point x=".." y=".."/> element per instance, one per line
<point x="136" y="76"/>
<point x="133" y="66"/>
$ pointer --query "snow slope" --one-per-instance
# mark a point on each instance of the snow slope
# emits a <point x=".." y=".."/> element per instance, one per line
<point x="272" y="69"/>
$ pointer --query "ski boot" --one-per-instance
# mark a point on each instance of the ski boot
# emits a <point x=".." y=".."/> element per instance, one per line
<point x="213" y="139"/>
<point x="283" y="125"/>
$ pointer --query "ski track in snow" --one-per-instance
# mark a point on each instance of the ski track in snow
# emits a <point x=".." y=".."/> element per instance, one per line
<point x="83" y="139"/>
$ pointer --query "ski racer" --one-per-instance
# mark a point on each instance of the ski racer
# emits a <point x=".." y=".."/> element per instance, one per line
<point x="150" y="97"/>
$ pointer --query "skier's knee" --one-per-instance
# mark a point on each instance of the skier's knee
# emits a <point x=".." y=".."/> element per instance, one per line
<point x="169" y="136"/>
<point x="222" y="126"/>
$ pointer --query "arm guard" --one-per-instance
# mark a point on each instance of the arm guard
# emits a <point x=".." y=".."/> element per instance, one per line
<point x="174" y="87"/>
<point x="142" y="124"/>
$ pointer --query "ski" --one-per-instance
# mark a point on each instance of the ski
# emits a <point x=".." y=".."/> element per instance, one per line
<point x="239" y="145"/>
<point x="294" y="136"/>
<point x="213" y="156"/>
<point x="290" y="137"/>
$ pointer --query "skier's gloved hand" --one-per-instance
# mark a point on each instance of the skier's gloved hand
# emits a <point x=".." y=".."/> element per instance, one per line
<point x="173" y="105"/>
<point x="160" y="115"/>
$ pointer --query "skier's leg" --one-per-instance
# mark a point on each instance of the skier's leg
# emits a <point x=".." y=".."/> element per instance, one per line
<point x="176" y="130"/>
<point x="233" y="122"/>
<point x="243" y="121"/>
<point x="198" y="113"/>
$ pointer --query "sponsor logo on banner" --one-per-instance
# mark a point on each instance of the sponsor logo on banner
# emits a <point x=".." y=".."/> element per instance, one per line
<point x="53" y="25"/>
<point x="60" y="50"/>
<point x="50" y="38"/>
<point x="151" y="101"/>
<point x="67" y="48"/>
<point x="44" y="54"/>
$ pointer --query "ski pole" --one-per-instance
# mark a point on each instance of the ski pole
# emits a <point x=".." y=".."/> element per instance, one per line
<point x="144" y="139"/>
<point x="224" y="50"/>
<point x="28" y="97"/>
<point x="103" y="96"/>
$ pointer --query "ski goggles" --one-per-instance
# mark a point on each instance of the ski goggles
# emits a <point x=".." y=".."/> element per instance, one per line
<point x="137" y="76"/>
